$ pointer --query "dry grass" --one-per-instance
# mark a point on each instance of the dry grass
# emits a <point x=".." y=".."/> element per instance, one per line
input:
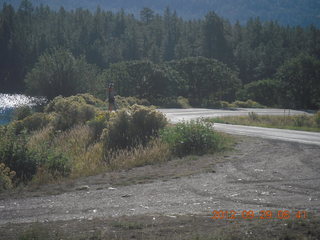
<point x="155" y="152"/>
<point x="90" y="163"/>
<point x="86" y="157"/>
<point x="297" y="122"/>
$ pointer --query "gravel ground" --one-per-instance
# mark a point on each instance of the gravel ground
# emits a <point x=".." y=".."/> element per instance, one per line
<point x="258" y="175"/>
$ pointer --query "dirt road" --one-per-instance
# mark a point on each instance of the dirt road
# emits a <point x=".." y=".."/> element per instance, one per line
<point x="259" y="175"/>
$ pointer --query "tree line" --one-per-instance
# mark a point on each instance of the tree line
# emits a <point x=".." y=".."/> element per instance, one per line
<point x="63" y="52"/>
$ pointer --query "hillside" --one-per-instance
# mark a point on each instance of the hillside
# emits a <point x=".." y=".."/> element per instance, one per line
<point x="292" y="12"/>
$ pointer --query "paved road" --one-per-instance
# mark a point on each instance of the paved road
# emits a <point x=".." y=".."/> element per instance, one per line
<point x="176" y="115"/>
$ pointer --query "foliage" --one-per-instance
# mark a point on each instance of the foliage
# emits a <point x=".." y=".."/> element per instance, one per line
<point x="58" y="73"/>
<point x="171" y="102"/>
<point x="98" y="124"/>
<point x="22" y="112"/>
<point x="33" y="122"/>
<point x="143" y="79"/>
<point x="211" y="102"/>
<point x="6" y="177"/>
<point x="71" y="111"/>
<point x="183" y="102"/>
<point x="58" y="164"/>
<point x="125" y="102"/>
<point x="194" y="137"/>
<point x="247" y="104"/>
<point x="207" y="77"/>
<point x="300" y="85"/>
<point x="15" y="155"/>
<point x="262" y="91"/>
<point x="129" y="128"/>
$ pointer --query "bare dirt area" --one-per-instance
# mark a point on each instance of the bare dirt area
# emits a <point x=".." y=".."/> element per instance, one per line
<point x="177" y="198"/>
<point x="196" y="227"/>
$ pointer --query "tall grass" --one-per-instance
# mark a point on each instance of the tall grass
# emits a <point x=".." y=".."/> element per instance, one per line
<point x="156" y="151"/>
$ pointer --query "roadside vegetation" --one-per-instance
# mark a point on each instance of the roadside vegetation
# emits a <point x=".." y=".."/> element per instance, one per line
<point x="296" y="122"/>
<point x="76" y="136"/>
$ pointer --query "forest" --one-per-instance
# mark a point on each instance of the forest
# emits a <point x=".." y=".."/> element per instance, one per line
<point x="158" y="56"/>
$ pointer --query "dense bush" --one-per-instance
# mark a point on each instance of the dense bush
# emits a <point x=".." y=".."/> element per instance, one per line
<point x="299" y="82"/>
<point x="57" y="164"/>
<point x="98" y="124"/>
<point x="247" y="104"/>
<point x="171" y="102"/>
<point x="125" y="102"/>
<point x="194" y="137"/>
<point x="70" y="111"/>
<point x="6" y="177"/>
<point x="211" y="102"/>
<point x="22" y="112"/>
<point x="262" y="91"/>
<point x="128" y="128"/>
<point x="33" y="122"/>
<point x="58" y="72"/>
<point x="15" y="155"/>
<point x="206" y="77"/>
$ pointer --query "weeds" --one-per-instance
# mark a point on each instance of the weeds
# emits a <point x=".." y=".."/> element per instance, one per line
<point x="194" y="137"/>
<point x="155" y="152"/>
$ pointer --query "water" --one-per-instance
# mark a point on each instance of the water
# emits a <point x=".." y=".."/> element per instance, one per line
<point x="8" y="102"/>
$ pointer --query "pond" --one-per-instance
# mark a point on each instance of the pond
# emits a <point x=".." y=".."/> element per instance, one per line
<point x="8" y="102"/>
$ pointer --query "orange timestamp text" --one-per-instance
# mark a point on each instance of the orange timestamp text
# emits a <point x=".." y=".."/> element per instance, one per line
<point x="263" y="214"/>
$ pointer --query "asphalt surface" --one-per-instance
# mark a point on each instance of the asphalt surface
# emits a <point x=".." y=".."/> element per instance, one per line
<point x="176" y="115"/>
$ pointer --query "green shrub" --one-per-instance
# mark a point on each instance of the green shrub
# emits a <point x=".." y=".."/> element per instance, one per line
<point x="33" y="122"/>
<point x="6" y="177"/>
<point x="128" y="128"/>
<point x="171" y="102"/>
<point x="247" y="104"/>
<point x="22" y="112"/>
<point x="15" y="155"/>
<point x="194" y="137"/>
<point x="57" y="164"/>
<point x="126" y="102"/>
<point x="183" y="102"/>
<point x="70" y="111"/>
<point x="213" y="103"/>
<point x="98" y="124"/>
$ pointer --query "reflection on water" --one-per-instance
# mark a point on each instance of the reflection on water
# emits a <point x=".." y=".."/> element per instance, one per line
<point x="8" y="102"/>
